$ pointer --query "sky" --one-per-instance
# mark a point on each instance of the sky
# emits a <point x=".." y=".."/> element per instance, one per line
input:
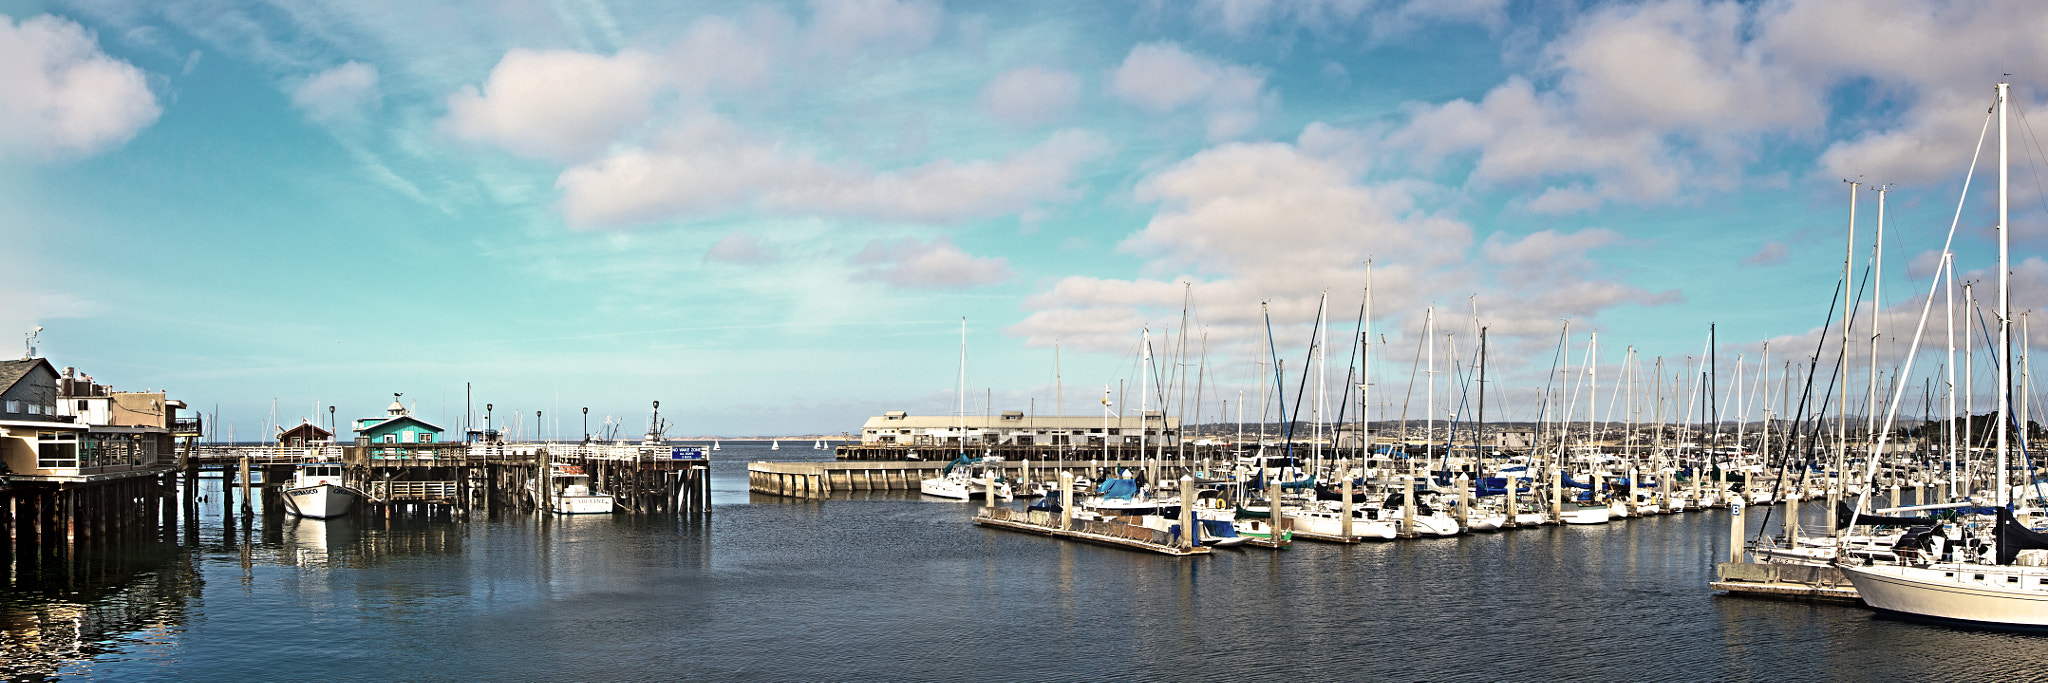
<point x="774" y="217"/>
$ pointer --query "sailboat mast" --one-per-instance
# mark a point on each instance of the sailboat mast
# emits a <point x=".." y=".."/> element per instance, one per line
<point x="2004" y="302"/>
<point x="1842" y="407"/>
<point x="960" y="394"/>
<point x="1876" y="305"/>
<point x="1429" y="425"/>
<point x="1365" y="374"/>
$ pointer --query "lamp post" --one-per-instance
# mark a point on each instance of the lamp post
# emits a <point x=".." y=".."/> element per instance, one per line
<point x="586" y="425"/>
<point x="487" y="423"/>
<point x="332" y="427"/>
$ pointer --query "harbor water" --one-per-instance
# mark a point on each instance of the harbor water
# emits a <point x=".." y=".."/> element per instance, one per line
<point x="894" y="586"/>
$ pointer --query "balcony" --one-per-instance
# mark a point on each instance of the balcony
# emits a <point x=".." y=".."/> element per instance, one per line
<point x="188" y="426"/>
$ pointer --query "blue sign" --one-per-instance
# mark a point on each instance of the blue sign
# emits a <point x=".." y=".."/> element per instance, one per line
<point x="686" y="453"/>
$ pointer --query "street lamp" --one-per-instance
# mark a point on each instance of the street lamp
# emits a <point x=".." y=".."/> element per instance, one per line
<point x="586" y="425"/>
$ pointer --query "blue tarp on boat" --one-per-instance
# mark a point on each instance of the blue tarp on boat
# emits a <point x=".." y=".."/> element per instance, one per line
<point x="1118" y="488"/>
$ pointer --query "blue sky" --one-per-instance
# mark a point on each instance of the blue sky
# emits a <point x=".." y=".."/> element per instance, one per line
<point x="772" y="216"/>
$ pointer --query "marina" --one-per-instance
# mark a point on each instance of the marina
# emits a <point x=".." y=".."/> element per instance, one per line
<point x="1219" y="340"/>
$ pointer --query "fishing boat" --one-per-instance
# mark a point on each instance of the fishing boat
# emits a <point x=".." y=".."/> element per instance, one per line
<point x="571" y="493"/>
<point x="320" y="490"/>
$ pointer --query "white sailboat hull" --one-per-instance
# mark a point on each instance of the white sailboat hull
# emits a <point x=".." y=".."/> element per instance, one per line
<point x="321" y="501"/>
<point x="1598" y="515"/>
<point x="2007" y="596"/>
<point x="1332" y="524"/>
<point x="960" y="489"/>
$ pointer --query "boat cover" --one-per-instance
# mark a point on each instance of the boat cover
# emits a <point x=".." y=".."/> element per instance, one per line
<point x="1219" y="528"/>
<point x="1843" y="512"/>
<point x="2013" y="537"/>
<point x="1118" y="488"/>
<point x="1568" y="481"/>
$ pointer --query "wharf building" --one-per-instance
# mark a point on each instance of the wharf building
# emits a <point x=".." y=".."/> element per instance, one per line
<point x="898" y="435"/>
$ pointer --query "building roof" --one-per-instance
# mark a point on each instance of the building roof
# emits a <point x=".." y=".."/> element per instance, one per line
<point x="1068" y="422"/>
<point x="11" y="371"/>
<point x="392" y="421"/>
<point x="310" y="428"/>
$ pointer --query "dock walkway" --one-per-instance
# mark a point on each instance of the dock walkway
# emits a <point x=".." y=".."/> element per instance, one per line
<point x="1108" y="533"/>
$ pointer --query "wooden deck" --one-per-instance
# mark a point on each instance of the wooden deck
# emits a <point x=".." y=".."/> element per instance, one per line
<point x="1785" y="582"/>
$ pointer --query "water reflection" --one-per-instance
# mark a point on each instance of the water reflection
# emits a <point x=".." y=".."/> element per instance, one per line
<point x="59" y="612"/>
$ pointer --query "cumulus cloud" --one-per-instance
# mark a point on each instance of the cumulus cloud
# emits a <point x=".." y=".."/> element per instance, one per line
<point x="1031" y="95"/>
<point x="1243" y="226"/>
<point x="1380" y="19"/>
<point x="344" y="94"/>
<point x="63" y="98"/>
<point x="560" y="105"/>
<point x="1637" y="102"/>
<point x="710" y="167"/>
<point x="1161" y="77"/>
<point x="742" y="248"/>
<point x="937" y="264"/>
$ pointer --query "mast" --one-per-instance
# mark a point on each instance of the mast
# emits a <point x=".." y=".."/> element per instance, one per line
<point x="1948" y="263"/>
<point x="1429" y="425"/>
<point x="960" y="410"/>
<point x="2004" y="303"/>
<point x="1365" y="374"/>
<point x="1842" y="407"/>
<point x="1479" y="425"/>
<point x="1876" y="304"/>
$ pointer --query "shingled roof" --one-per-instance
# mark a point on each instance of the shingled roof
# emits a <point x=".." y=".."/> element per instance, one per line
<point x="11" y="371"/>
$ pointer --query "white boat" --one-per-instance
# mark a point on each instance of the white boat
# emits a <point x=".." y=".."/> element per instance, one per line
<point x="1366" y="522"/>
<point x="572" y="494"/>
<point x="320" y="491"/>
<point x="714" y="445"/>
<point x="819" y="446"/>
<point x="1586" y="513"/>
<point x="960" y="481"/>
<point x="774" y="445"/>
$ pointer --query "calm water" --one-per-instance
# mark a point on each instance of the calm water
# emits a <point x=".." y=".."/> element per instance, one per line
<point x="890" y="586"/>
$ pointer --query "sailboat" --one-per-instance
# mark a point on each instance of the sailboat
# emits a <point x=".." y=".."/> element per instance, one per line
<point x="714" y="444"/>
<point x="774" y="445"/>
<point x="1951" y="585"/>
<point x="819" y="446"/>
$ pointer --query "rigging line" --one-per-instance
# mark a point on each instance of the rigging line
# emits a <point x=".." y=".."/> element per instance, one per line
<point x="1805" y="396"/>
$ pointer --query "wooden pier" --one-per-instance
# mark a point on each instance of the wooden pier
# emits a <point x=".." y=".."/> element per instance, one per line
<point x="472" y="476"/>
<point x="43" y="515"/>
<point x="1110" y="533"/>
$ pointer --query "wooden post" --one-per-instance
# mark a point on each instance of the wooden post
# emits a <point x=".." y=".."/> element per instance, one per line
<point x="1895" y="495"/>
<point x="1557" y="496"/>
<point x="1344" y="482"/>
<point x="1408" y="506"/>
<point x="1735" y="533"/>
<point x="247" y="506"/>
<point x="1273" y="515"/>
<point x="1629" y="492"/>
<point x="1513" y="513"/>
<point x="1066" y="500"/>
<point x="1189" y="533"/>
<point x="1792" y="520"/>
<point x="1464" y="502"/>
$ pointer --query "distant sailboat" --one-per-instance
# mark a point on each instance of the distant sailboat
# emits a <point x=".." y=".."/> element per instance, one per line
<point x="774" y="445"/>
<point x="819" y="446"/>
<point x="714" y="444"/>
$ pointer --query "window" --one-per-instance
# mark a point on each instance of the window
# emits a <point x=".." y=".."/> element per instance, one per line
<point x="35" y="409"/>
<point x="390" y="438"/>
<point x="14" y="406"/>
<point x="426" y="437"/>
<point x="82" y="404"/>
<point x="56" y="450"/>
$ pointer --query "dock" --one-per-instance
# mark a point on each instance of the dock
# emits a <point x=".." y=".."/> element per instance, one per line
<point x="1785" y="582"/>
<point x="1109" y="533"/>
<point x="821" y="479"/>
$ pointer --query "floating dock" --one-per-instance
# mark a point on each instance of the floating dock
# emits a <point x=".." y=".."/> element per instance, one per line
<point x="821" y="479"/>
<point x="1100" y="533"/>
<point x="1785" y="582"/>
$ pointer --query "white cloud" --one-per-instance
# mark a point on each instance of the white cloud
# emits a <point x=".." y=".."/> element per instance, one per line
<point x="844" y="27"/>
<point x="556" y="104"/>
<point x="63" y="98"/>
<point x="1639" y="102"/>
<point x="743" y="248"/>
<point x="1031" y="95"/>
<point x="1771" y="254"/>
<point x="1380" y="19"/>
<point x="1161" y="77"/>
<point x="710" y="167"/>
<point x="1246" y="225"/>
<point x="911" y="264"/>
<point x="345" y="94"/>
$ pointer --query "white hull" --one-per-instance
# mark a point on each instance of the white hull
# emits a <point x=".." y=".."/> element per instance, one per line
<point x="961" y="489"/>
<point x="1332" y="524"/>
<point x="321" y="501"/>
<point x="1598" y="515"/>
<point x="2006" y="596"/>
<point x="582" y="505"/>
